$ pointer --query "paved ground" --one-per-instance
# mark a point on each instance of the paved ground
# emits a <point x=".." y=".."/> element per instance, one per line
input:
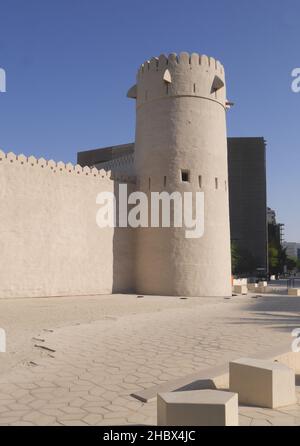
<point x="76" y="360"/>
<point x="286" y="416"/>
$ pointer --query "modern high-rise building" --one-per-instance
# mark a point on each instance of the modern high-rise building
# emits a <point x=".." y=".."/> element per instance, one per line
<point x="271" y="216"/>
<point x="248" y="198"/>
<point x="292" y="249"/>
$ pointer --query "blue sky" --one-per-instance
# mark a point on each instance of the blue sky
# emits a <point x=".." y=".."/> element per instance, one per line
<point x="69" y="64"/>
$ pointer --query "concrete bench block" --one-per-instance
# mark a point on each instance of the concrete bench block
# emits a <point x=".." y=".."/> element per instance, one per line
<point x="240" y="282"/>
<point x="294" y="292"/>
<point x="240" y="289"/>
<point x="261" y="284"/>
<point x="197" y="408"/>
<point x="262" y="383"/>
<point x="264" y="290"/>
<point x="290" y="359"/>
<point x="252" y="287"/>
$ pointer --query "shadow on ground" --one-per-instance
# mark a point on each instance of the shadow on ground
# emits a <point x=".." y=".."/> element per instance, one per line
<point x="281" y="313"/>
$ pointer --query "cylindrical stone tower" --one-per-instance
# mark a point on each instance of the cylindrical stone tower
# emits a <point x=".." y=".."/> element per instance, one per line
<point x="181" y="145"/>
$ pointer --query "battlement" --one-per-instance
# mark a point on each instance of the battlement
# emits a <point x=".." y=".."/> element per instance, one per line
<point x="184" y="59"/>
<point x="60" y="167"/>
<point x="190" y="75"/>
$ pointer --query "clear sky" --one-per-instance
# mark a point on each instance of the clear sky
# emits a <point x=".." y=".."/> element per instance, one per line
<point x="69" y="64"/>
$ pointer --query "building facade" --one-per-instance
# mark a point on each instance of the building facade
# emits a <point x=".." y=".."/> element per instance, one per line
<point x="248" y="198"/>
<point x="292" y="249"/>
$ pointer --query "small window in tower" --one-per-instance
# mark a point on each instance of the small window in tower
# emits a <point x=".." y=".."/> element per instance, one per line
<point x="216" y="183"/>
<point x="185" y="176"/>
<point x="194" y="88"/>
<point x="165" y="181"/>
<point x="149" y="183"/>
<point x="167" y="88"/>
<point x="200" y="181"/>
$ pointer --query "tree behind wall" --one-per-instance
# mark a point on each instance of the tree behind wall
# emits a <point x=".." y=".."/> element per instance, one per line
<point x="293" y="264"/>
<point x="243" y="262"/>
<point x="277" y="254"/>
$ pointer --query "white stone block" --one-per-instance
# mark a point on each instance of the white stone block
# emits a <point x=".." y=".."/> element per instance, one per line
<point x="252" y="287"/>
<point x="197" y="408"/>
<point x="261" y="284"/>
<point x="240" y="289"/>
<point x="294" y="291"/>
<point x="240" y="281"/>
<point x="264" y="290"/>
<point x="290" y="359"/>
<point x="262" y="383"/>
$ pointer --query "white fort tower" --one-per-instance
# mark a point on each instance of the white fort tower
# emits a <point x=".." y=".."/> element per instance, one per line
<point x="181" y="146"/>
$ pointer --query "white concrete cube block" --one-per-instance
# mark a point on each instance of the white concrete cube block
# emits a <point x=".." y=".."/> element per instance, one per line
<point x="294" y="292"/>
<point x="264" y="290"/>
<point x="290" y="358"/>
<point x="197" y="408"/>
<point x="260" y="284"/>
<point x="240" y="281"/>
<point x="252" y="286"/>
<point x="262" y="383"/>
<point x="240" y="289"/>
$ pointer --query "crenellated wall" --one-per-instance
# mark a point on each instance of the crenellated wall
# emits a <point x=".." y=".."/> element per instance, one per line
<point x="185" y="75"/>
<point x="50" y="244"/>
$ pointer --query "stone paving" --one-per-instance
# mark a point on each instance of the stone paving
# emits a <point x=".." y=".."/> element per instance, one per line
<point x="86" y="370"/>
<point x="285" y="416"/>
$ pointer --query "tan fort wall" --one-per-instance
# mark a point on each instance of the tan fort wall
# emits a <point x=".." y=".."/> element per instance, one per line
<point x="50" y="244"/>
